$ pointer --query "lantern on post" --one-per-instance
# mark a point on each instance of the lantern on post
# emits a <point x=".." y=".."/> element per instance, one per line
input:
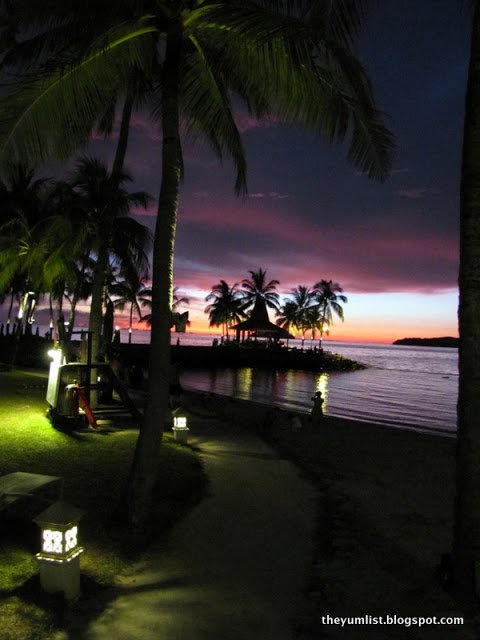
<point x="180" y="429"/>
<point x="59" y="557"/>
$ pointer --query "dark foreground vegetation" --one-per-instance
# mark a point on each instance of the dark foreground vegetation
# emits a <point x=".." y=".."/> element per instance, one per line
<point x="93" y="467"/>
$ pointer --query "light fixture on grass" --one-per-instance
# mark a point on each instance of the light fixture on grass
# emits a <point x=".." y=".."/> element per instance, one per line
<point x="59" y="558"/>
<point x="180" y="429"/>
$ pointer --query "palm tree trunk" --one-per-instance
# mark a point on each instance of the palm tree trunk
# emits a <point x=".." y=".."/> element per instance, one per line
<point x="466" y="545"/>
<point x="95" y="320"/>
<point x="9" y="317"/>
<point x="121" y="149"/>
<point x="145" y="464"/>
<point x="96" y="306"/>
<point x="130" y="325"/>
<point x="72" y="313"/>
<point x="96" y="315"/>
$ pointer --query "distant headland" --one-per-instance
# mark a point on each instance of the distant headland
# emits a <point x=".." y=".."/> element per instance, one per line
<point x="446" y="341"/>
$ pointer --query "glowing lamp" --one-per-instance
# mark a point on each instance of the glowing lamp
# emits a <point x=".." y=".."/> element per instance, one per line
<point x="55" y="355"/>
<point x="59" y="558"/>
<point x="180" y="422"/>
<point x="180" y="429"/>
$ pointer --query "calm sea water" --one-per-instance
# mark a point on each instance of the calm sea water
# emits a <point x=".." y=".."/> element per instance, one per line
<point x="410" y="387"/>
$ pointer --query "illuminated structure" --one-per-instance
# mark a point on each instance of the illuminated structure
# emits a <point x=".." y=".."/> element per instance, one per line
<point x="59" y="557"/>
<point x="180" y="429"/>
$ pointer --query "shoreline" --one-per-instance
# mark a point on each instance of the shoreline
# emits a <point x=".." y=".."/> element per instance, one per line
<point x="262" y="407"/>
<point x="384" y="519"/>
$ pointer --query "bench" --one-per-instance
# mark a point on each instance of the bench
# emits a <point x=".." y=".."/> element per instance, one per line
<point x="21" y="492"/>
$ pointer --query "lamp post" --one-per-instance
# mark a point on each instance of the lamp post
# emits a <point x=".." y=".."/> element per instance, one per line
<point x="59" y="558"/>
<point x="180" y="429"/>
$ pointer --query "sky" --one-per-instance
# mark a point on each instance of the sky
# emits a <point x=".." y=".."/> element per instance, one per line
<point x="309" y="215"/>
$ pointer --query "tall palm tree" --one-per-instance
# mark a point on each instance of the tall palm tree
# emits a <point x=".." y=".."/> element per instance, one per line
<point x="27" y="257"/>
<point x="179" y="320"/>
<point x="287" y="316"/>
<point x="466" y="539"/>
<point x="329" y="296"/>
<point x="110" y="229"/>
<point x="126" y="292"/>
<point x="295" y="311"/>
<point x="193" y="54"/>
<point x="145" y="298"/>
<point x="257" y="288"/>
<point x="226" y="306"/>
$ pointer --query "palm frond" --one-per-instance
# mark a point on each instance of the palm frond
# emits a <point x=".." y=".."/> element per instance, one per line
<point x="301" y="75"/>
<point x="338" y="20"/>
<point x="206" y="105"/>
<point x="51" y="114"/>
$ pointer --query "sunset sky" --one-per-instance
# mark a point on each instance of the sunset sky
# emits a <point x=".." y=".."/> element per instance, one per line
<point x="309" y="215"/>
<point x="393" y="247"/>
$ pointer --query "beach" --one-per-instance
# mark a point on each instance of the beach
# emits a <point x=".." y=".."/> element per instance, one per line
<point x="385" y="502"/>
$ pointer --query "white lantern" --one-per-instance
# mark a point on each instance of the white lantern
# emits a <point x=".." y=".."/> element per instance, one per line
<point x="180" y="429"/>
<point x="59" y="557"/>
<point x="180" y="422"/>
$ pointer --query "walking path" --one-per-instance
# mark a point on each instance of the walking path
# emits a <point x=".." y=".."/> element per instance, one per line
<point x="234" y="568"/>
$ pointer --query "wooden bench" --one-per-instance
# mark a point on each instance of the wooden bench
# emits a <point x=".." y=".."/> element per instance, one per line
<point x="21" y="493"/>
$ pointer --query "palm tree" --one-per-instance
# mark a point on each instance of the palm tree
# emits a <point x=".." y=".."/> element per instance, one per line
<point x="316" y="323"/>
<point x="226" y="306"/>
<point x="466" y="539"/>
<point x="127" y="292"/>
<point x="287" y="316"/>
<point x="145" y="298"/>
<point x="257" y="288"/>
<point x="179" y="320"/>
<point x="295" y="311"/>
<point x="28" y="260"/>
<point x="192" y="55"/>
<point x="328" y="297"/>
<point x="110" y="229"/>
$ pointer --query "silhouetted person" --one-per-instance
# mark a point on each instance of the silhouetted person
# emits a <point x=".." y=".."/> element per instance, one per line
<point x="317" y="409"/>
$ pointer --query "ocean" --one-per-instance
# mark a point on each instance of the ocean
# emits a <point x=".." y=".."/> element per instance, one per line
<point x="408" y="387"/>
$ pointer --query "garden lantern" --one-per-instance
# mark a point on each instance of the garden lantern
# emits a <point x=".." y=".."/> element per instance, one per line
<point x="180" y="429"/>
<point x="59" y="557"/>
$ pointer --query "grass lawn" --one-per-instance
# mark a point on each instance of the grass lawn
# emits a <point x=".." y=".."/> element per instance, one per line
<point x="93" y="468"/>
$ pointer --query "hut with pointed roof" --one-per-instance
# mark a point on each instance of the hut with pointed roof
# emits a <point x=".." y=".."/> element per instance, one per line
<point x="258" y="325"/>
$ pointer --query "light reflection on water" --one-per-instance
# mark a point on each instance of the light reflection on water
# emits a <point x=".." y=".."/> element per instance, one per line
<point x="402" y="386"/>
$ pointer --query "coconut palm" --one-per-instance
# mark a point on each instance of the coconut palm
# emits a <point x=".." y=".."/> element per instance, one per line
<point x="179" y="320"/>
<point x="257" y="288"/>
<point x="145" y="298"/>
<point x="316" y="323"/>
<point x="110" y="229"/>
<point x="466" y="545"/>
<point x="28" y="258"/>
<point x="287" y="316"/>
<point x="192" y="55"/>
<point x="226" y="306"/>
<point x="126" y="292"/>
<point x="329" y="296"/>
<point x="295" y="311"/>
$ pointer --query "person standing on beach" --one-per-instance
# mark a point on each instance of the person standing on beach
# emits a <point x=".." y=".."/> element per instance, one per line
<point x="317" y="409"/>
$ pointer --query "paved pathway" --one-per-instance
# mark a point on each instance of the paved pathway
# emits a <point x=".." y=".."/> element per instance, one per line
<point x="235" y="567"/>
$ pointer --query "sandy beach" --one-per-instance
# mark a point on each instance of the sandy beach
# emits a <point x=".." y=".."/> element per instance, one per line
<point x="385" y="501"/>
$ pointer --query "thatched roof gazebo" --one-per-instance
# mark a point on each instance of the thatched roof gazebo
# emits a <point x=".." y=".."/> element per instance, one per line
<point x="259" y="324"/>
